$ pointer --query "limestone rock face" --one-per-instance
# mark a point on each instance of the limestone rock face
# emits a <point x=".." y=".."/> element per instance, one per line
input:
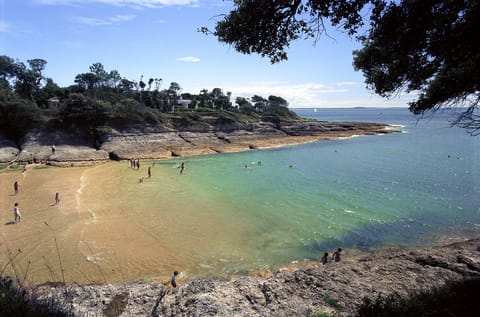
<point x="8" y="150"/>
<point x="70" y="149"/>
<point x="73" y="148"/>
<point x="333" y="288"/>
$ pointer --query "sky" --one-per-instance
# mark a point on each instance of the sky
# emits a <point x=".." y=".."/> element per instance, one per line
<point x="159" y="39"/>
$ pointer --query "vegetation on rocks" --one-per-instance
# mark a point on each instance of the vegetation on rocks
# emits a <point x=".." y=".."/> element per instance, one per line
<point x="102" y="99"/>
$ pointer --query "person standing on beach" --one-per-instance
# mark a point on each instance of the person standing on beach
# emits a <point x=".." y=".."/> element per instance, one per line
<point x="182" y="167"/>
<point x="15" y="188"/>
<point x="16" y="213"/>
<point x="173" y="281"/>
<point x="149" y="171"/>
<point x="324" y="258"/>
<point x="53" y="148"/>
<point x="57" y="198"/>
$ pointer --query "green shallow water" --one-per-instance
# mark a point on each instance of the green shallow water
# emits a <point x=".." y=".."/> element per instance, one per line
<point x="219" y="217"/>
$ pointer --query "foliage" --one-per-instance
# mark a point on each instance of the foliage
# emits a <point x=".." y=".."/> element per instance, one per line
<point x="227" y="117"/>
<point x="456" y="298"/>
<point x="101" y="100"/>
<point x="15" y="302"/>
<point x="17" y="116"/>
<point x="267" y="27"/>
<point x="331" y="301"/>
<point x="424" y="47"/>
<point x="186" y="118"/>
<point x="279" y="114"/>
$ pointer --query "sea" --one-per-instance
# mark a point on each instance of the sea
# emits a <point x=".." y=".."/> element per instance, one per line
<point x="417" y="187"/>
<point x="240" y="213"/>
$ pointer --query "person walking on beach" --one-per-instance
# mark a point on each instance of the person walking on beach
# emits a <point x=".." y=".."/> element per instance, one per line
<point x="15" y="188"/>
<point x="57" y="198"/>
<point x="149" y="171"/>
<point x="182" y="167"/>
<point x="336" y="255"/>
<point x="324" y="258"/>
<point x="173" y="281"/>
<point x="16" y="213"/>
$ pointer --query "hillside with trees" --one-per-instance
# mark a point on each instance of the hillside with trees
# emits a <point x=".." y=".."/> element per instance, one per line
<point x="102" y="99"/>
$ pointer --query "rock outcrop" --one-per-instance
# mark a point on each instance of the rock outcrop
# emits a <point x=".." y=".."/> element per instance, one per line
<point x="165" y="142"/>
<point x="334" y="287"/>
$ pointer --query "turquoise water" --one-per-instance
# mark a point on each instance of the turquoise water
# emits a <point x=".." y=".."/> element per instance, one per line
<point x="409" y="188"/>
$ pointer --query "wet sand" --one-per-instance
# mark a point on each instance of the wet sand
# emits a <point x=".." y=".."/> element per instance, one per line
<point x="103" y="231"/>
<point x="78" y="245"/>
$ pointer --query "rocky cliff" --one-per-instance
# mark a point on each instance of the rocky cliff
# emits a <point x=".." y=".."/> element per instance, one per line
<point x="163" y="142"/>
<point x="332" y="288"/>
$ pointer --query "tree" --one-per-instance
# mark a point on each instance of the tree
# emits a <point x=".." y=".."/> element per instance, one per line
<point x="173" y="94"/>
<point x="244" y="106"/>
<point x="37" y="65"/>
<point x="277" y="102"/>
<point x="17" y="115"/>
<point x="426" y="47"/>
<point x="7" y="70"/>
<point x="260" y="103"/>
<point x="100" y="74"/>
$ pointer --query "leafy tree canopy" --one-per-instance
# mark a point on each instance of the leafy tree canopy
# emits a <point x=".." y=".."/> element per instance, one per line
<point x="423" y="46"/>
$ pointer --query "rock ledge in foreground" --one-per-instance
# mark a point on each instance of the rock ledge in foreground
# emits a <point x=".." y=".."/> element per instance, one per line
<point x="286" y="292"/>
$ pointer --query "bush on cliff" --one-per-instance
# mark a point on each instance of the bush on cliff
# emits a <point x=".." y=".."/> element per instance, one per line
<point x="15" y="302"/>
<point x="17" y="116"/>
<point x="456" y="298"/>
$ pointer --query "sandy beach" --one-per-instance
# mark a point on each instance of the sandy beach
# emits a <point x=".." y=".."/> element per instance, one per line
<point x="100" y="233"/>
<point x="71" y="247"/>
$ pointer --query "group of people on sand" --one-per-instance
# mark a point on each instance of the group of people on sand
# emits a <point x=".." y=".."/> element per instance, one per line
<point x="335" y="256"/>
<point x="134" y="163"/>
<point x="17" y="216"/>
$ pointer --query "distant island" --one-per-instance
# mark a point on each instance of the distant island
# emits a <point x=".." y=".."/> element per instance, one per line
<point x="105" y="116"/>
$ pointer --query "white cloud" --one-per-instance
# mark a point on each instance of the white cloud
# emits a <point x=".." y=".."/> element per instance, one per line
<point x="346" y="83"/>
<point x="188" y="59"/>
<point x="4" y="27"/>
<point x="106" y="21"/>
<point x="298" y="95"/>
<point x="135" y="3"/>
<point x="311" y="94"/>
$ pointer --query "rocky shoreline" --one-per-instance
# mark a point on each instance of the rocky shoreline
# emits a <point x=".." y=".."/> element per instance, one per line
<point x="166" y="142"/>
<point x="332" y="288"/>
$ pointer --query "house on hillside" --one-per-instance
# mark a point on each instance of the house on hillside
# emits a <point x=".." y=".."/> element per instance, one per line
<point x="184" y="103"/>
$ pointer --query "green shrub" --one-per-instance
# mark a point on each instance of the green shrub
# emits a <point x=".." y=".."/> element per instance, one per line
<point x="332" y="301"/>
<point x="15" y="302"/>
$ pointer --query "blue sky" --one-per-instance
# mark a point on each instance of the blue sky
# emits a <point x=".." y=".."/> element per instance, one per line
<point x="159" y="39"/>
